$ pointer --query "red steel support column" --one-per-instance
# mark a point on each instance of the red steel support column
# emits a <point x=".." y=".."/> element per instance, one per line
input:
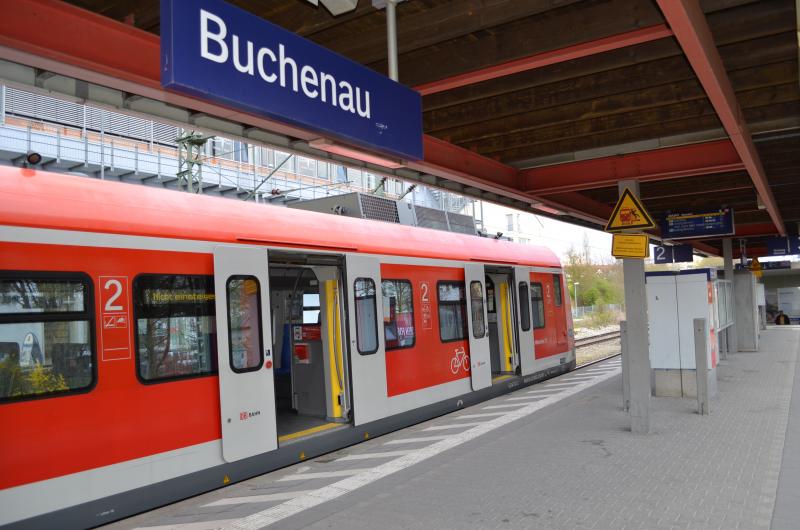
<point x="539" y="60"/>
<point x="688" y="23"/>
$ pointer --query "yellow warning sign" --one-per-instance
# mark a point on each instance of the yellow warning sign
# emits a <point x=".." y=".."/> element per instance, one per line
<point x="755" y="268"/>
<point x="629" y="214"/>
<point x="630" y="246"/>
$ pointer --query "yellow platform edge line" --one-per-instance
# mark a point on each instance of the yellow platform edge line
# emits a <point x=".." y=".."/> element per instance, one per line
<point x="312" y="430"/>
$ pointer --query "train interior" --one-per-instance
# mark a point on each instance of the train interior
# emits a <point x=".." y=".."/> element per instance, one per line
<point x="311" y="386"/>
<point x="500" y="310"/>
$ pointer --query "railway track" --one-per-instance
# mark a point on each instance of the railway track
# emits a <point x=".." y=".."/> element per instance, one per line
<point x="594" y="339"/>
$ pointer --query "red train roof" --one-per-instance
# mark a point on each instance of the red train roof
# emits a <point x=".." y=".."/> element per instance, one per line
<point x="65" y="202"/>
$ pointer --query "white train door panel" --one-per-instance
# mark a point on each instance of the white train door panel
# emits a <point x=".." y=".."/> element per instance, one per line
<point x="244" y="359"/>
<point x="524" y="329"/>
<point x="479" y="353"/>
<point x="365" y="326"/>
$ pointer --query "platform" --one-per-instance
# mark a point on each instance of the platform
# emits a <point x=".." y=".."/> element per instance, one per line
<point x="554" y="455"/>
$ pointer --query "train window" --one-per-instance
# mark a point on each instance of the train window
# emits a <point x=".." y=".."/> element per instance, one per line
<point x="366" y="316"/>
<point x="244" y="323"/>
<point x="46" y="334"/>
<point x="398" y="314"/>
<point x="311" y="308"/>
<point x="538" y="305"/>
<point x="525" y="309"/>
<point x="476" y="307"/>
<point x="452" y="311"/>
<point x="490" y="296"/>
<point x="175" y="326"/>
<point x="557" y="290"/>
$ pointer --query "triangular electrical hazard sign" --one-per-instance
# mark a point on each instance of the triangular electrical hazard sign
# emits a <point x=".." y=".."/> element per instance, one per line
<point x="629" y="214"/>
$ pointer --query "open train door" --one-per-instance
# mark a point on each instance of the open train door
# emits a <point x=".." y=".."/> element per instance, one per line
<point x="365" y="326"/>
<point x="244" y="360"/>
<point x="479" y="353"/>
<point x="522" y="294"/>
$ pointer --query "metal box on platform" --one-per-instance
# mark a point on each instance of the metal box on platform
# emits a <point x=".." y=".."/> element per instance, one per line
<point x="674" y="300"/>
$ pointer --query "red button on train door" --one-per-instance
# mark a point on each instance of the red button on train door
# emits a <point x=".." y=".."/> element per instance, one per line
<point x="268" y="364"/>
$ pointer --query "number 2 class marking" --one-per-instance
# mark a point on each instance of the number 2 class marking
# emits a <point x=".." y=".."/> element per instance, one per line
<point x="110" y="302"/>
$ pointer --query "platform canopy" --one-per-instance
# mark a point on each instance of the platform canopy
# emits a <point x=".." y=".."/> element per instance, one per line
<point x="544" y="105"/>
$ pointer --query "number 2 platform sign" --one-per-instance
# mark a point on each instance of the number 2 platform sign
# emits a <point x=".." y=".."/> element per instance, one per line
<point x="115" y="318"/>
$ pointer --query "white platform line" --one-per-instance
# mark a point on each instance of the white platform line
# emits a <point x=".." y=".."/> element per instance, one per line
<point x="322" y="474"/>
<point x="452" y="426"/>
<point x="282" y="496"/>
<point x="417" y="439"/>
<point x="506" y="406"/>
<point x="199" y="525"/>
<point x="524" y="398"/>
<point x="540" y="391"/>
<point x="478" y="415"/>
<point x="297" y="505"/>
<point x="367" y="456"/>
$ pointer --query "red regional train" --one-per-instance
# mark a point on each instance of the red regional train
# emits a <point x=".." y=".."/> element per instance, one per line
<point x="155" y="345"/>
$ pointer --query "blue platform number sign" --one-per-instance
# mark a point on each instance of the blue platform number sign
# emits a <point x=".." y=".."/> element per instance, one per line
<point x="794" y="245"/>
<point x="777" y="246"/>
<point x="683" y="253"/>
<point x="662" y="255"/>
<point x="673" y="254"/>
<point x="218" y="52"/>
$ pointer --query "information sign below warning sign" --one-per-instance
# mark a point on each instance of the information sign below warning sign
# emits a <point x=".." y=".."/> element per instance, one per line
<point x="629" y="214"/>
<point x="630" y="246"/>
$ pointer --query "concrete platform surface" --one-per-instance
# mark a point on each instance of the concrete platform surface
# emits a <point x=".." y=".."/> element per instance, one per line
<point x="554" y="455"/>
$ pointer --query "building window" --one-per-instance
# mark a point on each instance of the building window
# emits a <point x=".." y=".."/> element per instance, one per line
<point x="306" y="166"/>
<point x="510" y="222"/>
<point x="366" y="316"/>
<point x="46" y="334"/>
<point x="452" y="311"/>
<point x="244" y="323"/>
<point x="398" y="314"/>
<point x="476" y="308"/>
<point x="175" y="326"/>
<point x="557" y="290"/>
<point x="538" y="305"/>
<point x="524" y="308"/>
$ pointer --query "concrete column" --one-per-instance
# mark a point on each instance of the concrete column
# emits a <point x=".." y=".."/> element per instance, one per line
<point x="701" y="365"/>
<point x="626" y="387"/>
<point x="730" y="332"/>
<point x="638" y="344"/>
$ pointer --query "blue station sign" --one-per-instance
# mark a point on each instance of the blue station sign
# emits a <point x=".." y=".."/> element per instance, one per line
<point x="783" y="246"/>
<point x="215" y="51"/>
<point x="697" y="224"/>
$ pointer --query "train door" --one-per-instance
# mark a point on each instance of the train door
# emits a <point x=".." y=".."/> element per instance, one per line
<point x="527" y="357"/>
<point x="367" y="351"/>
<point x="481" y="366"/>
<point x="560" y="312"/>
<point x="244" y="357"/>
<point x="311" y="381"/>
<point x="501" y="309"/>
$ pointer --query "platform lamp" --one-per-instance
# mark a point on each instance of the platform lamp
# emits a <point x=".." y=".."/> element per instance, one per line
<point x="32" y="159"/>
